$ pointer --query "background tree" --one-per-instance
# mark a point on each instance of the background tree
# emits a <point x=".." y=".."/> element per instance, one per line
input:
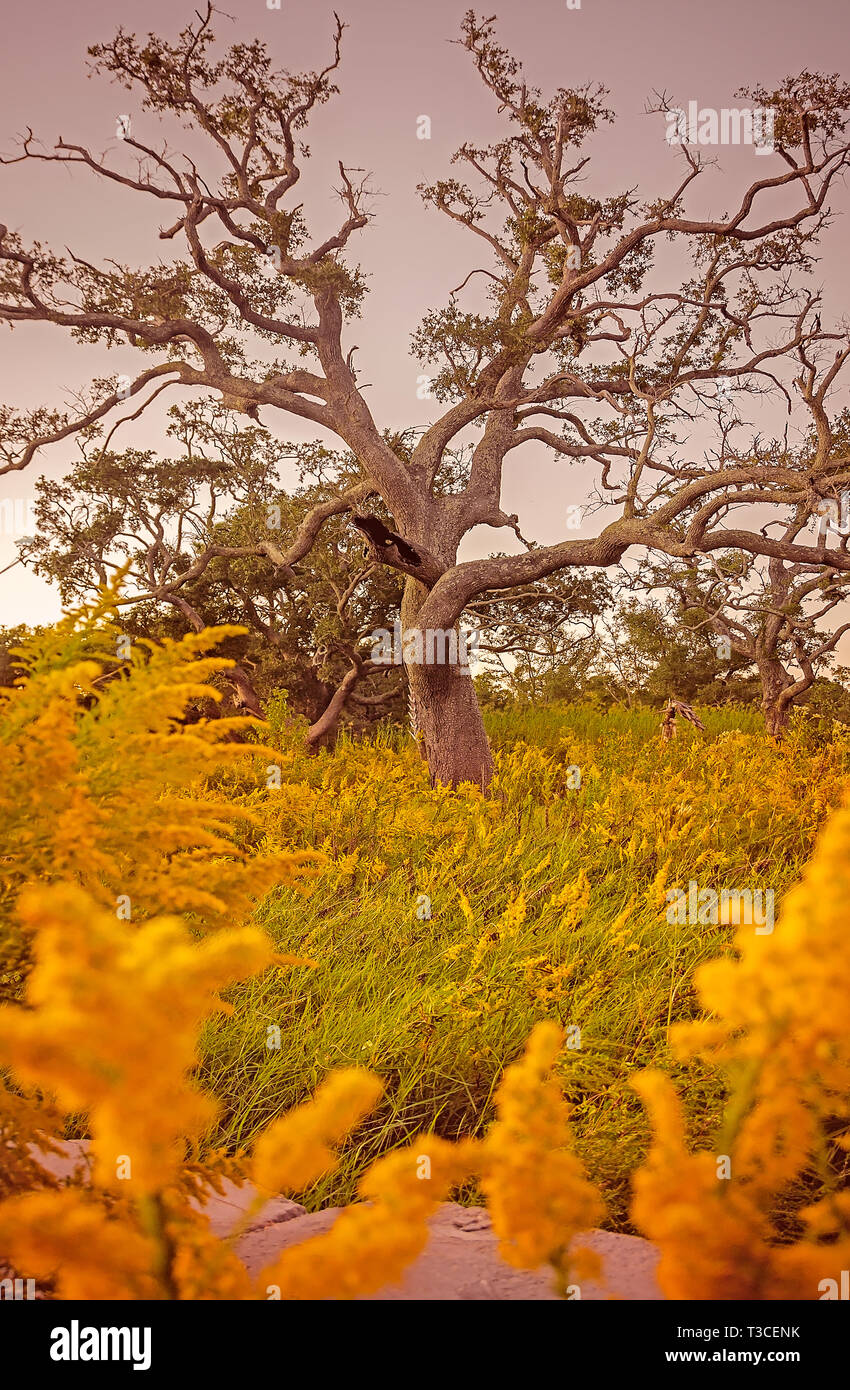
<point x="11" y="639"/>
<point x="564" y="345"/>
<point x="770" y="616"/>
<point x="204" y="539"/>
<point x="646" y="657"/>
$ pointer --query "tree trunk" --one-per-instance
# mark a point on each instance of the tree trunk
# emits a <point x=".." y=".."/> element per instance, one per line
<point x="447" y="712"/>
<point x="775" y="706"/>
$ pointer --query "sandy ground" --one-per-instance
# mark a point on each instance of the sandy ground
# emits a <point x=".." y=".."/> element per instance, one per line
<point x="460" y="1262"/>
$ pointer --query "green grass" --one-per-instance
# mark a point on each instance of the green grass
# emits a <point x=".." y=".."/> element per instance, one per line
<point x="546" y="725"/>
<point x="724" y="806"/>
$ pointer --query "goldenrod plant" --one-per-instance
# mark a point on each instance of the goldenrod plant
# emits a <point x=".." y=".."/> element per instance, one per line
<point x="108" y="794"/>
<point x="778" y="1025"/>
<point x="106" y="786"/>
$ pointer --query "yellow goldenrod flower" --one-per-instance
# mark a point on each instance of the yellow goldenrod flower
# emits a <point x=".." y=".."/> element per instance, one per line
<point x="537" y="1193"/>
<point x="371" y="1243"/>
<point x="294" y="1151"/>
<point x="111" y="1026"/>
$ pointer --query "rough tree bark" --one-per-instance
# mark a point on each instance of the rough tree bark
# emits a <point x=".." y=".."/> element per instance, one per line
<point x="448" y="715"/>
<point x="778" y="691"/>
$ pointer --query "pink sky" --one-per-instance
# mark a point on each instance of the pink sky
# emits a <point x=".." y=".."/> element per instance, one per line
<point x="398" y="64"/>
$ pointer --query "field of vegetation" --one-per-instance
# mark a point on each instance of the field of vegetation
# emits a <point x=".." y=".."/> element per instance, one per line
<point x="445" y="925"/>
<point x="271" y="955"/>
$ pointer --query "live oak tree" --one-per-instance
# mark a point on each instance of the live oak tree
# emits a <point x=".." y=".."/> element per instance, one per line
<point x="573" y="333"/>
<point x="315" y="624"/>
<point x="782" y="618"/>
<point x="771" y="616"/>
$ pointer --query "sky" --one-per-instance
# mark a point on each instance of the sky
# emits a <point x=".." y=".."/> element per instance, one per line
<point x="399" y="64"/>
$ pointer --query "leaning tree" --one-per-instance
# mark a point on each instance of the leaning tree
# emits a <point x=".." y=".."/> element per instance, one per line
<point x="576" y="331"/>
